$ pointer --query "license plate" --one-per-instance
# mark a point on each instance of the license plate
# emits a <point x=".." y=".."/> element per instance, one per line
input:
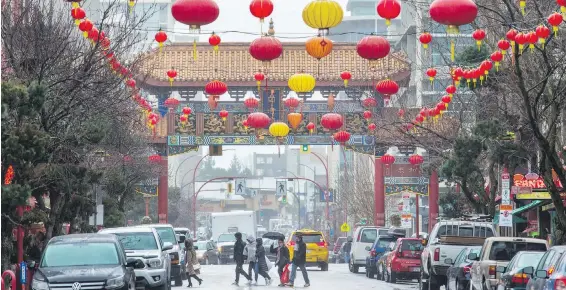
<point x="415" y="269"/>
<point x="231" y="256"/>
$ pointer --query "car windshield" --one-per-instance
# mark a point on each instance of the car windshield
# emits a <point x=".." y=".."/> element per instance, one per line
<point x="167" y="235"/>
<point x="505" y="251"/>
<point x="384" y="242"/>
<point x="528" y="260"/>
<point x="80" y="254"/>
<point x="312" y="238"/>
<point x="201" y="245"/>
<point x="465" y="231"/>
<point x="368" y="236"/>
<point x="225" y="238"/>
<point x="137" y="241"/>
<point x="411" y="245"/>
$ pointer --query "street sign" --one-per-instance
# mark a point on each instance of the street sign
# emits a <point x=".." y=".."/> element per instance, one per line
<point x="331" y="232"/>
<point x="281" y="188"/>
<point x="505" y="215"/>
<point x="23" y="272"/>
<point x="406" y="221"/>
<point x="363" y="221"/>
<point x="505" y="189"/>
<point x="323" y="195"/>
<point x="345" y="227"/>
<point x="240" y="186"/>
<point x="253" y="192"/>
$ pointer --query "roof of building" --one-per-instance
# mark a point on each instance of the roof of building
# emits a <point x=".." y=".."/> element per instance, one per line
<point x="234" y="65"/>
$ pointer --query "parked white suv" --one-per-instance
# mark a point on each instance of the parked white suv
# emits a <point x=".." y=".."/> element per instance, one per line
<point x="145" y="244"/>
<point x="363" y="237"/>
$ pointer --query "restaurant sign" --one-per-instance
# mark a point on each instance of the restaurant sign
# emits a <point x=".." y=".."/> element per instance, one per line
<point x="520" y="180"/>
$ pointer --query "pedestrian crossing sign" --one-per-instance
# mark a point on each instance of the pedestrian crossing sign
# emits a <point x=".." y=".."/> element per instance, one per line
<point x="345" y="228"/>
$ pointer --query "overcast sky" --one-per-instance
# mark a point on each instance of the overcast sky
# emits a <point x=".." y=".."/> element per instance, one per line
<point x="235" y="16"/>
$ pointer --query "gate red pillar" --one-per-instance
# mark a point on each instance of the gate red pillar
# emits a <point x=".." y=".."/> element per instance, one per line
<point x="379" y="194"/>
<point x="433" y="188"/>
<point x="162" y="190"/>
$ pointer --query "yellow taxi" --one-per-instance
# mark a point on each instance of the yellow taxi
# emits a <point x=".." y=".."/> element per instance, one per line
<point x="317" y="248"/>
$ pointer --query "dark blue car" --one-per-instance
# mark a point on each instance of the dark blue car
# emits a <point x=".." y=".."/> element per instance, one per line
<point x="376" y="251"/>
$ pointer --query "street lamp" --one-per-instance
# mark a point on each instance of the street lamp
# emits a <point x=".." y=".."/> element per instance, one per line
<point x="179" y="167"/>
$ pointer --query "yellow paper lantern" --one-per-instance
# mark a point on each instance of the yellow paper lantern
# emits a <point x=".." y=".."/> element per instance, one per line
<point x="302" y="83"/>
<point x="323" y="14"/>
<point x="279" y="129"/>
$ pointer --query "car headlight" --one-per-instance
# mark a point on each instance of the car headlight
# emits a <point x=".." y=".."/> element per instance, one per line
<point x="39" y="285"/>
<point x="114" y="283"/>
<point x="219" y="249"/>
<point x="155" y="263"/>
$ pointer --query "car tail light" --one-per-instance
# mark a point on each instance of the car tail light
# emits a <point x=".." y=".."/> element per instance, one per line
<point x="373" y="253"/>
<point x="560" y="283"/>
<point x="492" y="271"/>
<point x="291" y="243"/>
<point x="359" y="236"/>
<point x="467" y="269"/>
<point x="398" y="254"/>
<point x="520" y="279"/>
<point x="322" y="244"/>
<point x="437" y="254"/>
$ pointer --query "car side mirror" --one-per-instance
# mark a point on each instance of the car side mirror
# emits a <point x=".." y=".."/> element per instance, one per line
<point x="541" y="274"/>
<point x="500" y="269"/>
<point x="448" y="261"/>
<point x="368" y="248"/>
<point x="167" y="246"/>
<point x="473" y="256"/>
<point x="135" y="263"/>
<point x="529" y="270"/>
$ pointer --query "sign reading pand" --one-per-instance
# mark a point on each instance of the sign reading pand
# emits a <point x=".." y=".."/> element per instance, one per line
<point x="533" y="183"/>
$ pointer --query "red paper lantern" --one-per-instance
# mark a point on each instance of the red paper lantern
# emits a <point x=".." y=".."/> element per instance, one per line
<point x="223" y="114"/>
<point x="78" y="14"/>
<point x="419" y="118"/>
<point x="369" y="103"/>
<point x="187" y="110"/>
<point x="266" y="48"/>
<point x="346" y="76"/>
<point x="555" y="19"/>
<point x="451" y="90"/>
<point x="441" y="107"/>
<point x="521" y="39"/>
<point x="478" y="35"/>
<point x="261" y="9"/>
<point x="258" y="120"/>
<point x="292" y="103"/>
<point x="161" y="37"/>
<point x="453" y="13"/>
<point x="155" y="158"/>
<point x="532" y="39"/>
<point x="85" y="26"/>
<point x="372" y="127"/>
<point x="251" y="103"/>
<point x="425" y="38"/>
<point x="416" y="159"/>
<point x="183" y="118"/>
<point x="195" y="13"/>
<point x="431" y="73"/>
<point x="388" y="159"/>
<point x="388" y="9"/>
<point x="542" y="33"/>
<point x="496" y="57"/>
<point x="373" y="48"/>
<point x="367" y="115"/>
<point x="259" y="77"/>
<point x="332" y="121"/>
<point x="171" y="74"/>
<point x="447" y="99"/>
<point x="245" y="124"/>
<point x="216" y="88"/>
<point x="171" y="102"/>
<point x="341" y="137"/>
<point x="310" y="127"/>
<point x="131" y="83"/>
<point x="503" y="45"/>
<point x="214" y="40"/>
<point x="387" y="88"/>
<point x="486" y="66"/>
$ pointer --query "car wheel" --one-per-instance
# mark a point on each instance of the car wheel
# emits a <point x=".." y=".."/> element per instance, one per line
<point x="369" y="272"/>
<point x="484" y="286"/>
<point x="207" y="262"/>
<point x="386" y="275"/>
<point x="393" y="277"/>
<point x="324" y="267"/>
<point x="178" y="281"/>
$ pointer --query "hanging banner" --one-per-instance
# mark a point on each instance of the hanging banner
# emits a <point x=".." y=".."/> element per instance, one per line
<point x="505" y="215"/>
<point x="406" y="202"/>
<point x="406" y="221"/>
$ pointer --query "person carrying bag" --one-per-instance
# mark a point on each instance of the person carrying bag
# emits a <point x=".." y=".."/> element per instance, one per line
<point x="282" y="260"/>
<point x="192" y="263"/>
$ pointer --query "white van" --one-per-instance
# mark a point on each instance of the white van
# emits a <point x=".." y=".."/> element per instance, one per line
<point x="363" y="237"/>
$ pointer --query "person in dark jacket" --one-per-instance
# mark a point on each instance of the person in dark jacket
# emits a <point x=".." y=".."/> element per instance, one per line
<point x="239" y="258"/>
<point x="299" y="261"/>
<point x="346" y="250"/>
<point x="282" y="257"/>
<point x="262" y="267"/>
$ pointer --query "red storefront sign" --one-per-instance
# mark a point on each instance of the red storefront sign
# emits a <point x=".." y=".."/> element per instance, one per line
<point x="533" y="183"/>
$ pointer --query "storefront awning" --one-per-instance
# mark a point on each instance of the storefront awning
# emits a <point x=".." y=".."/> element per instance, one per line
<point x="527" y="207"/>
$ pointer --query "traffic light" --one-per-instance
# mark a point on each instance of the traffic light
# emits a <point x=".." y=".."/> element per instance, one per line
<point x="284" y="199"/>
<point x="230" y="187"/>
<point x="305" y="148"/>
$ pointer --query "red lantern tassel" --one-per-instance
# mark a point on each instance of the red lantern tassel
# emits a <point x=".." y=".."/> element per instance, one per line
<point x="215" y="48"/>
<point x="452" y="50"/>
<point x="195" y="49"/>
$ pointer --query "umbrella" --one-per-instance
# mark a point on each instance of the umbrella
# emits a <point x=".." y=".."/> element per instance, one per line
<point x="273" y="235"/>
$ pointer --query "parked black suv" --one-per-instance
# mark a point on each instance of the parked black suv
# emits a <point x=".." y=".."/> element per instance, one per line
<point x="85" y="261"/>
